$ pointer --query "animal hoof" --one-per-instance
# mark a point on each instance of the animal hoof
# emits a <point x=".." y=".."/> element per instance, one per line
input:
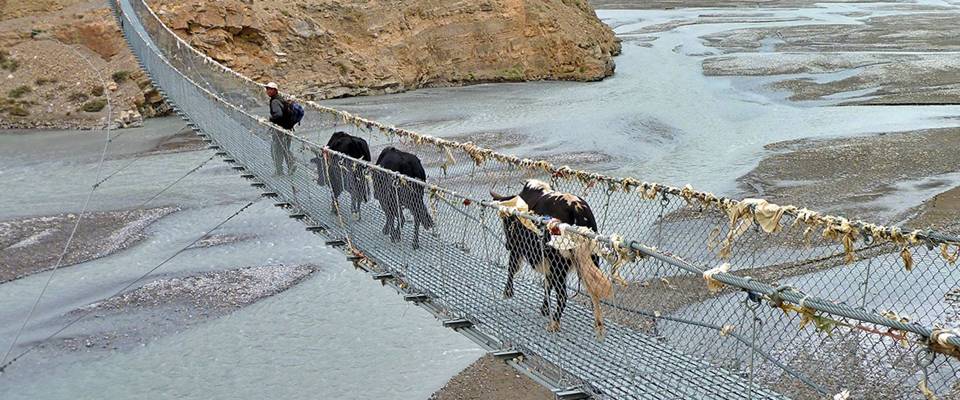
<point x="553" y="326"/>
<point x="508" y="293"/>
<point x="600" y="330"/>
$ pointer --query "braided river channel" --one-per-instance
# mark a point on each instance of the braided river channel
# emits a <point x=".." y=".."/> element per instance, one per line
<point x="334" y="333"/>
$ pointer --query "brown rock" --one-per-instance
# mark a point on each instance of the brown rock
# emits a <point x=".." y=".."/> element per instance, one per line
<point x="62" y="79"/>
<point x="376" y="46"/>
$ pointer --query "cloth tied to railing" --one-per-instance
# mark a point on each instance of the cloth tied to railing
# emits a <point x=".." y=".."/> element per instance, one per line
<point x="947" y="255"/>
<point x="940" y="341"/>
<point x="620" y="255"/>
<point x="743" y="214"/>
<point x="518" y="205"/>
<point x="708" y="275"/>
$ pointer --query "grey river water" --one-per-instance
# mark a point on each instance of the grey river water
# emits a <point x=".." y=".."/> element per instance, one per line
<point x="336" y="335"/>
<point x="339" y="335"/>
<point x="658" y="118"/>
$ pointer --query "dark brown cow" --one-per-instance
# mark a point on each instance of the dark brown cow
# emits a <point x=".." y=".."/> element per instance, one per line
<point x="524" y="244"/>
<point x="395" y="195"/>
<point x="345" y="174"/>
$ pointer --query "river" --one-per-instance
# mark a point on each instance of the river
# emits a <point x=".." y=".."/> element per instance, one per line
<point x="340" y="335"/>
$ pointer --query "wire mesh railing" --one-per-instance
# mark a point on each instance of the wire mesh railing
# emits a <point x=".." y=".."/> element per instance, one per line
<point x="699" y="296"/>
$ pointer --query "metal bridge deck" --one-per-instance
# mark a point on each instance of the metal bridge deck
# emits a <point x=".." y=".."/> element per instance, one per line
<point x="609" y="366"/>
<point x="460" y="274"/>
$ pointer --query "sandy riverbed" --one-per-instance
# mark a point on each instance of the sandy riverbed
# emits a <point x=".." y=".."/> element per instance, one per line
<point x="164" y="306"/>
<point x="779" y="173"/>
<point x="32" y="245"/>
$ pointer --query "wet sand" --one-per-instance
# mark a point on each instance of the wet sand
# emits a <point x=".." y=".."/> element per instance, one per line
<point x="32" y="245"/>
<point x="491" y="379"/>
<point x="881" y="178"/>
<point x="165" y="306"/>
<point x="918" y="67"/>
<point x="941" y="212"/>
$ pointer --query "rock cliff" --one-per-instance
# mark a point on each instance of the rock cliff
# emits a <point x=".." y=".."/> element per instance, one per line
<point x="334" y="48"/>
<point x="60" y="60"/>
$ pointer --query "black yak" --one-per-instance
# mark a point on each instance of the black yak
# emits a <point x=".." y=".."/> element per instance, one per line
<point x="387" y="188"/>
<point x="525" y="241"/>
<point x="350" y="176"/>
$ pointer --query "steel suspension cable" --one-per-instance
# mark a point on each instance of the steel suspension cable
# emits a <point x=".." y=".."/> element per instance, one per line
<point x="131" y="283"/>
<point x="136" y="158"/>
<point x="83" y="209"/>
<point x="69" y="240"/>
<point x="181" y="178"/>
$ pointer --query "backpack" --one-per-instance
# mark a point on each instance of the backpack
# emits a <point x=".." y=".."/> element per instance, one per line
<point x="293" y="112"/>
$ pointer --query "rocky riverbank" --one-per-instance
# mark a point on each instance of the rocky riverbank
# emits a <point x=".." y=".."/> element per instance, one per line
<point x="64" y="59"/>
<point x="325" y="49"/>
<point x="65" y="65"/>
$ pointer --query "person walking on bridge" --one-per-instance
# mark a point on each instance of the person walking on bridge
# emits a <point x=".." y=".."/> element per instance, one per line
<point x="280" y="116"/>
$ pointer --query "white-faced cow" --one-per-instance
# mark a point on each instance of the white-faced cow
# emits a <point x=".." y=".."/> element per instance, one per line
<point x="343" y="173"/>
<point x="524" y="243"/>
<point x="395" y="195"/>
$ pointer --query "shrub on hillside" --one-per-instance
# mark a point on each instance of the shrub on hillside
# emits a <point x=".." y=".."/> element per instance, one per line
<point x="94" y="105"/>
<point x="18" y="111"/>
<point x="8" y="63"/>
<point x="120" y="76"/>
<point x="97" y="91"/>
<point x="19" y="92"/>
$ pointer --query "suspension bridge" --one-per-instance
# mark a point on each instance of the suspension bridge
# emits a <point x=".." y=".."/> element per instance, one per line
<point x="713" y="298"/>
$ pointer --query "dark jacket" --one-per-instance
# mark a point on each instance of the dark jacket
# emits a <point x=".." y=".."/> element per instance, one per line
<point x="277" y="114"/>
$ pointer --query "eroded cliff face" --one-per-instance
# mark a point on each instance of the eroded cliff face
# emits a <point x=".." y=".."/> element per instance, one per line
<point x="60" y="60"/>
<point x="334" y="48"/>
<point x="52" y="50"/>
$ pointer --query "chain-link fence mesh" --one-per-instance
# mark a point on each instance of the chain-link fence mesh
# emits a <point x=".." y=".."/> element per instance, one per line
<point x="804" y="313"/>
